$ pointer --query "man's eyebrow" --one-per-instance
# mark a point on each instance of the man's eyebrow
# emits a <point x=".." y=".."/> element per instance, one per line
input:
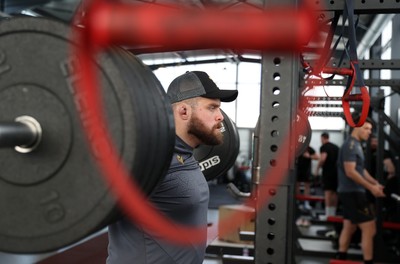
<point x="214" y="104"/>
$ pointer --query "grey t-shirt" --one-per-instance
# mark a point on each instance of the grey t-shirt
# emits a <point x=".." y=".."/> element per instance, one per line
<point x="351" y="150"/>
<point x="183" y="197"/>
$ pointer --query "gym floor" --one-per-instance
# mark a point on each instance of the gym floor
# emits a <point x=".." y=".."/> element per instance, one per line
<point x="220" y="196"/>
<point x="95" y="249"/>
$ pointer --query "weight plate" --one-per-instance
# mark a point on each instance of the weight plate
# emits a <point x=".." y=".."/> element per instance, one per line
<point x="55" y="195"/>
<point x="303" y="133"/>
<point x="215" y="161"/>
<point x="160" y="128"/>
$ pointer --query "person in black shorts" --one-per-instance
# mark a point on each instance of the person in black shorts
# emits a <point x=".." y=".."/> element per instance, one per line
<point x="328" y="163"/>
<point x="304" y="177"/>
<point x="353" y="181"/>
<point x="183" y="194"/>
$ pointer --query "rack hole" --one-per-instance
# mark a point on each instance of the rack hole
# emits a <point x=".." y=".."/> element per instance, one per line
<point x="277" y="76"/>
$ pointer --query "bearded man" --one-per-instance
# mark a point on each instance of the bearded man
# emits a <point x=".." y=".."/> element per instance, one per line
<point x="183" y="195"/>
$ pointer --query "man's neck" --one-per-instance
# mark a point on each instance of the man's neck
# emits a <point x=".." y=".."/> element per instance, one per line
<point x="355" y="136"/>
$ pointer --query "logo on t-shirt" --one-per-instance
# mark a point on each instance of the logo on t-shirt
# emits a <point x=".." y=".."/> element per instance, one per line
<point x="208" y="163"/>
<point x="351" y="144"/>
<point x="180" y="159"/>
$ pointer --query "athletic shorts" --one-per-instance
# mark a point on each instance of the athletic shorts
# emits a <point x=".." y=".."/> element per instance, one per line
<point x="303" y="176"/>
<point x="329" y="182"/>
<point x="356" y="207"/>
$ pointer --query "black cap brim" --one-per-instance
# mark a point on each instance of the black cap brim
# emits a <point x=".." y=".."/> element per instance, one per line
<point x="223" y="95"/>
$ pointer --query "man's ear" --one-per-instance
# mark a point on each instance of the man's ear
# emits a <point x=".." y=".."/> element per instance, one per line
<point x="184" y="111"/>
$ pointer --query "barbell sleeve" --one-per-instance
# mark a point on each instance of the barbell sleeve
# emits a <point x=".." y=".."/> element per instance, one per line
<point x="23" y="134"/>
<point x="14" y="134"/>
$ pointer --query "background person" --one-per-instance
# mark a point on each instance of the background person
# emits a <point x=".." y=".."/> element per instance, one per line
<point x="303" y="165"/>
<point x="389" y="178"/>
<point x="353" y="182"/>
<point x="328" y="163"/>
<point x="388" y="164"/>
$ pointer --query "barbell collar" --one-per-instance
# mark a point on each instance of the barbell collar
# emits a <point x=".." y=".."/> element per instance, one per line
<point x="23" y="134"/>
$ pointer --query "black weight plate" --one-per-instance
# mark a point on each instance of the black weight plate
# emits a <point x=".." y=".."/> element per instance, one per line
<point x="215" y="161"/>
<point x="155" y="116"/>
<point x="56" y="195"/>
<point x="303" y="133"/>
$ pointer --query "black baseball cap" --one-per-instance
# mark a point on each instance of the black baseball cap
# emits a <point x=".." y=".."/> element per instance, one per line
<point x="197" y="83"/>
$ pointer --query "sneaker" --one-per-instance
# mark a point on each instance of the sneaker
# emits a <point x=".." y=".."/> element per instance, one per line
<point x="326" y="232"/>
<point x="331" y="234"/>
<point x="322" y="217"/>
<point x="306" y="223"/>
<point x="303" y="222"/>
<point x="307" y="206"/>
<point x="299" y="222"/>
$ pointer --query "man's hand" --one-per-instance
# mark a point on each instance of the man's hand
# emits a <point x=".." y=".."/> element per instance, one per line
<point x="377" y="190"/>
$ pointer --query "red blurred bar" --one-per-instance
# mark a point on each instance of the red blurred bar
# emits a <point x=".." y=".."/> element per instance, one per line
<point x="353" y="97"/>
<point x="275" y="29"/>
<point x="340" y="71"/>
<point x="313" y="198"/>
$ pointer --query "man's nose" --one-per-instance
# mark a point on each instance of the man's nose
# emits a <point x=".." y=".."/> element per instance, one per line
<point x="220" y="117"/>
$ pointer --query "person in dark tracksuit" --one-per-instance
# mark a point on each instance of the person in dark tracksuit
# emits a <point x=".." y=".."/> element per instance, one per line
<point x="353" y="181"/>
<point x="183" y="195"/>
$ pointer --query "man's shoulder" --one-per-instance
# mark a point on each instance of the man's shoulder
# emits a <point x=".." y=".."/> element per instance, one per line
<point x="183" y="161"/>
<point x="333" y="145"/>
<point x="350" y="144"/>
<point x="329" y="146"/>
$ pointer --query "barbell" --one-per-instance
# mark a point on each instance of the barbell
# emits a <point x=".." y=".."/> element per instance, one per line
<point x="52" y="193"/>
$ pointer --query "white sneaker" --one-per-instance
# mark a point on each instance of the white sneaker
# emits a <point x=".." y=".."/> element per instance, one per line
<point x="331" y="234"/>
<point x="299" y="222"/>
<point x="322" y="217"/>
<point x="303" y="222"/>
<point x="306" y="223"/>
<point x="307" y="207"/>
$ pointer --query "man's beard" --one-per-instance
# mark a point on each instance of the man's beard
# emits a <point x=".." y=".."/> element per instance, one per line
<point x="206" y="136"/>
